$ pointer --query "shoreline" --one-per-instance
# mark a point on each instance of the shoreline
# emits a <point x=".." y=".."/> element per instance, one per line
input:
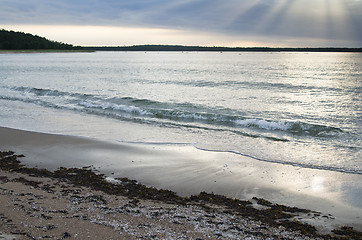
<point x="43" y="51"/>
<point x="261" y="218"/>
<point x="142" y="163"/>
<point x="170" y="48"/>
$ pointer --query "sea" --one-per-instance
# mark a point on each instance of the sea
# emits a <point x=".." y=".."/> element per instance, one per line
<point x="301" y="109"/>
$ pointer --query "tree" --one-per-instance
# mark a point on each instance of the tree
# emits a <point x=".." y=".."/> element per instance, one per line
<point x="10" y="40"/>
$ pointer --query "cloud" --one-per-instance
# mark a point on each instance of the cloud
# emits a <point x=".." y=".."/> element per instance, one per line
<point x="328" y="19"/>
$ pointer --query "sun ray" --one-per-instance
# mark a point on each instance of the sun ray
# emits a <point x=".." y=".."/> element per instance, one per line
<point x="275" y="16"/>
<point x="244" y="7"/>
<point x="239" y="10"/>
<point x="305" y="18"/>
<point x="353" y="18"/>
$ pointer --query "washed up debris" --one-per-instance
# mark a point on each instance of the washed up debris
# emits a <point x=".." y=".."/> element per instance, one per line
<point x="272" y="214"/>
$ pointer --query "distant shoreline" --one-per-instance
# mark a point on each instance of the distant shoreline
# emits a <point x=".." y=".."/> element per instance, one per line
<point x="176" y="48"/>
<point x="15" y="42"/>
<point x="180" y="48"/>
<point x="42" y="51"/>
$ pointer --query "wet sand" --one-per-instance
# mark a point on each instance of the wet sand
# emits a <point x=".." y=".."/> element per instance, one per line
<point x="46" y="208"/>
<point x="185" y="170"/>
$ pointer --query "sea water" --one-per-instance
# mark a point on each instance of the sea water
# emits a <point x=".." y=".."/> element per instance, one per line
<point x="300" y="109"/>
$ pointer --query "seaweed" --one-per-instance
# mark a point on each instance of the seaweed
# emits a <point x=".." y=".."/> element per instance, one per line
<point x="347" y="232"/>
<point x="273" y="215"/>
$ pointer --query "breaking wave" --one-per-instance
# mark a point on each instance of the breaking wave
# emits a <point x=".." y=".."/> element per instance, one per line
<point x="175" y="114"/>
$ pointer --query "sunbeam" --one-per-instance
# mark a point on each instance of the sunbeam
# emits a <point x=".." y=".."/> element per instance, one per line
<point x="240" y="9"/>
<point x="268" y="22"/>
<point x="353" y="16"/>
<point x="275" y="16"/>
<point x="296" y="18"/>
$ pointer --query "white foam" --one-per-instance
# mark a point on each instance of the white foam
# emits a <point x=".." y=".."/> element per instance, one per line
<point x="263" y="124"/>
<point x="192" y="116"/>
<point x="123" y="108"/>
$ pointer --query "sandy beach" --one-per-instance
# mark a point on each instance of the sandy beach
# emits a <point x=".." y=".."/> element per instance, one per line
<point x="38" y="206"/>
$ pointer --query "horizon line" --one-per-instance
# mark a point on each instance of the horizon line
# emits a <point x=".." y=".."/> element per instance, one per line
<point x="175" y="47"/>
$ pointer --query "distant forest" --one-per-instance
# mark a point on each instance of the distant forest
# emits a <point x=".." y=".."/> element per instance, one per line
<point x="10" y="40"/>
<point x="149" y="48"/>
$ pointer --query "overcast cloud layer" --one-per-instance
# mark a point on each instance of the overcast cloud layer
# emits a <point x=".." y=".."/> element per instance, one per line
<point x="314" y="19"/>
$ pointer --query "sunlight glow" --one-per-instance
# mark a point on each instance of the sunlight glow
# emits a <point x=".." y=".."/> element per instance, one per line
<point x="284" y="23"/>
<point x="123" y="36"/>
<point x="104" y="35"/>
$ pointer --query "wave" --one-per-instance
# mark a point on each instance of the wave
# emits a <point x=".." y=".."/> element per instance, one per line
<point x="252" y="84"/>
<point x="292" y="127"/>
<point x="217" y="119"/>
<point x="109" y="106"/>
<point x="175" y="114"/>
<point x="50" y="92"/>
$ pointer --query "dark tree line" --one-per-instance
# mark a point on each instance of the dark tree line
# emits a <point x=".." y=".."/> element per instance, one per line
<point x="10" y="40"/>
<point x="217" y="49"/>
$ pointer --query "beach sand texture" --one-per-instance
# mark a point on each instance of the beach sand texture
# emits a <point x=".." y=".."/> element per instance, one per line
<point x="41" y="208"/>
<point x="35" y="207"/>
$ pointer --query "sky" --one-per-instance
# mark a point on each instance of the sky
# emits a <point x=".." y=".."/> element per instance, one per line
<point x="241" y="23"/>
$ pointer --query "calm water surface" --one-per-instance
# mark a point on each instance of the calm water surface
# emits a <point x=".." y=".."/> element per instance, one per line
<point x="302" y="109"/>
